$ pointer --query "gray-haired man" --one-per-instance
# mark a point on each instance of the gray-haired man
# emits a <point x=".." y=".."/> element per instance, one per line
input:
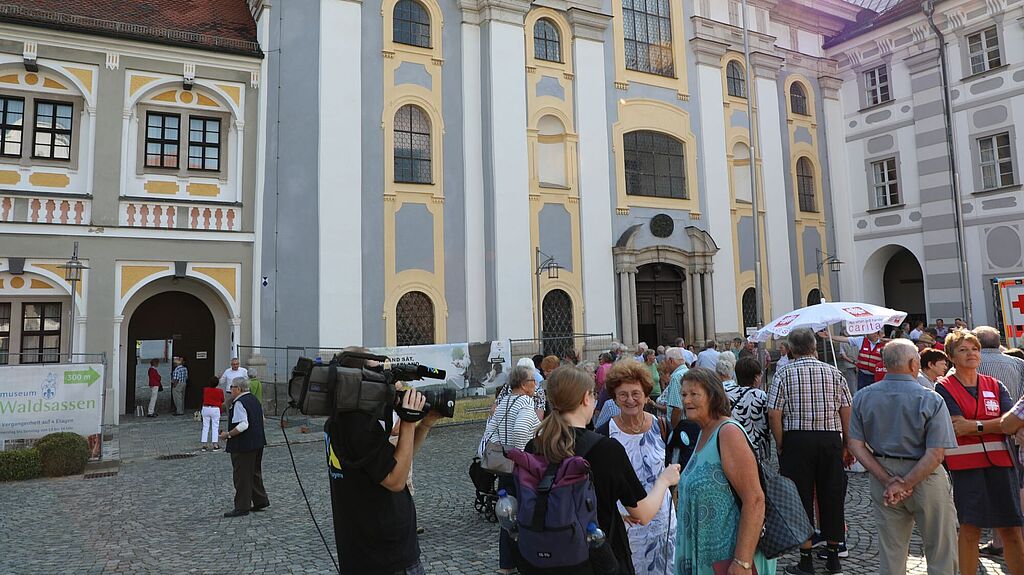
<point x="908" y="428"/>
<point x="245" y="443"/>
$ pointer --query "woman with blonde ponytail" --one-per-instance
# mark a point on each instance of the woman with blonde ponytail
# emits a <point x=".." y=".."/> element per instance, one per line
<point x="571" y="399"/>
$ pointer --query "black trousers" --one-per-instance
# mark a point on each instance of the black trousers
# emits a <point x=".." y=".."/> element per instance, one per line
<point x="814" y="461"/>
<point x="247" y="471"/>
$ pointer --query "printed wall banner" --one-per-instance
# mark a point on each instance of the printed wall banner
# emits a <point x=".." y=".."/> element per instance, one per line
<point x="36" y="400"/>
<point x="476" y="368"/>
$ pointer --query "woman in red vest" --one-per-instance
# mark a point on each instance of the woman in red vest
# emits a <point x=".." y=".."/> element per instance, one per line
<point x="984" y="490"/>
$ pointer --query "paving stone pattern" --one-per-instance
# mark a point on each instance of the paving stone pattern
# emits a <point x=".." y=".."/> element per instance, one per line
<point x="164" y="516"/>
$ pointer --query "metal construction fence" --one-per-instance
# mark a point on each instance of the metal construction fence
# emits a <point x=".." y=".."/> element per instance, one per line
<point x="587" y="346"/>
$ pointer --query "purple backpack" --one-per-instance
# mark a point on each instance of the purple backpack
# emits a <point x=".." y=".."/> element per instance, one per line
<point x="556" y="503"/>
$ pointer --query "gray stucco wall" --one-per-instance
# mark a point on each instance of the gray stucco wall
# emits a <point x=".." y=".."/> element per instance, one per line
<point x="372" y="70"/>
<point x="454" y="176"/>
<point x="290" y="222"/>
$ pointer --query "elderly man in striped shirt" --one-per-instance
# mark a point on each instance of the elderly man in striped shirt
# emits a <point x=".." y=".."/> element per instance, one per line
<point x="809" y="415"/>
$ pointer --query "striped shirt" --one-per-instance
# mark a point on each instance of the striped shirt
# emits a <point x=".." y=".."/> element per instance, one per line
<point x="1005" y="368"/>
<point x="514" y="422"/>
<point x="810" y="394"/>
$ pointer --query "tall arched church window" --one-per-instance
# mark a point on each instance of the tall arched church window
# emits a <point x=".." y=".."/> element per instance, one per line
<point x="647" y="26"/>
<point x="798" y="99"/>
<point x="557" y="328"/>
<point x="411" y="24"/>
<point x="414" y="319"/>
<point x="547" y="44"/>
<point x="735" y="80"/>
<point x="805" y="185"/>
<point x="655" y="165"/>
<point x="749" y="309"/>
<point x="813" y="297"/>
<point x="412" y="146"/>
<point x="741" y="188"/>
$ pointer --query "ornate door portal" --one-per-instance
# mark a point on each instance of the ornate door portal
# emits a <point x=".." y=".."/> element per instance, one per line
<point x="660" y="304"/>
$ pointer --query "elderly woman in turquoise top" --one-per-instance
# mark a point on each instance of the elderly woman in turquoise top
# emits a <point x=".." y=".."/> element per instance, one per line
<point x="714" y="528"/>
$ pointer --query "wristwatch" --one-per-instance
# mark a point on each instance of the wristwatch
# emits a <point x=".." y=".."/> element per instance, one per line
<point x="981" y="426"/>
<point x="743" y="564"/>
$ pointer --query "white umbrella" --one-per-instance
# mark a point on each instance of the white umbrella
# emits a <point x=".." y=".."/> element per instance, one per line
<point x="860" y="318"/>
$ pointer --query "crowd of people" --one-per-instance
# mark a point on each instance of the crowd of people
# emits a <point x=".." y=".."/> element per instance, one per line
<point x="933" y="414"/>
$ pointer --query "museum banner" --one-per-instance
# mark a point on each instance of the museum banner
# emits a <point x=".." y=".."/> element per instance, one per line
<point x="36" y="400"/>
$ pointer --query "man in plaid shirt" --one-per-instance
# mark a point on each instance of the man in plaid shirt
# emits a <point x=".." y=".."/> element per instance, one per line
<point x="179" y="379"/>
<point x="809" y="415"/>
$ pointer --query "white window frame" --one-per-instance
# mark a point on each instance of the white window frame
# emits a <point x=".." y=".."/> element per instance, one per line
<point x="997" y="165"/>
<point x="877" y="88"/>
<point x="885" y="182"/>
<point x="988" y="43"/>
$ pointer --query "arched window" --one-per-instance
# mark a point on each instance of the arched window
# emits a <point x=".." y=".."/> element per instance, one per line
<point x="749" y="309"/>
<point x="412" y="146"/>
<point x="558" y="326"/>
<point x="414" y="319"/>
<point x="647" y="26"/>
<point x="813" y="297"/>
<point x="805" y="185"/>
<point x="547" y="45"/>
<point x="411" y="24"/>
<point x="798" y="99"/>
<point x="655" y="165"/>
<point x="736" y="82"/>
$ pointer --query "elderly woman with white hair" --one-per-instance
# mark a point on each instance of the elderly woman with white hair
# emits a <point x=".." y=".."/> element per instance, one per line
<point x="512" y="424"/>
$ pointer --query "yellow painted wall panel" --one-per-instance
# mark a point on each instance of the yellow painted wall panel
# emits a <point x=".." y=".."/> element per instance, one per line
<point x="160" y="187"/>
<point x="132" y="275"/>
<point x="9" y="177"/>
<point x="205" y="190"/>
<point x="51" y="83"/>
<point x="49" y="180"/>
<point x="84" y="75"/>
<point x="223" y="276"/>
<point x="233" y="92"/>
<point x="138" y="82"/>
<point x="168" y="96"/>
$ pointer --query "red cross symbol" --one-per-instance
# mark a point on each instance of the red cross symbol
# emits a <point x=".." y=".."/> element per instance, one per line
<point x="1019" y="304"/>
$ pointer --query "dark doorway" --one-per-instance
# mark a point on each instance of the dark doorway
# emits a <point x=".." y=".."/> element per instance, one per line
<point x="903" y="283"/>
<point x="813" y="297"/>
<point x="659" y="303"/>
<point x="187" y="321"/>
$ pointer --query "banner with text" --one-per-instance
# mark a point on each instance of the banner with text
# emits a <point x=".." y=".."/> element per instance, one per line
<point x="476" y="368"/>
<point x="36" y="400"/>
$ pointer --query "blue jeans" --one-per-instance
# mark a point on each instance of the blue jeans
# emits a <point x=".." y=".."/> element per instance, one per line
<point x="864" y="379"/>
<point x="505" y="543"/>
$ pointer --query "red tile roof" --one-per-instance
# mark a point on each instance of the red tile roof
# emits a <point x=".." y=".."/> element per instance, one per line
<point x="216" y="25"/>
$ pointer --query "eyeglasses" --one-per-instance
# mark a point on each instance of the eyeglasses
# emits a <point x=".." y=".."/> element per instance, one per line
<point x="235" y="387"/>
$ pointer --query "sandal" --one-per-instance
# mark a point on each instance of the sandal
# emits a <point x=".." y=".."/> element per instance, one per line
<point x="991" y="550"/>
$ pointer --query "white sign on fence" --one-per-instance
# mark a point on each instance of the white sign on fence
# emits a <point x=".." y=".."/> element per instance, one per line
<point x="36" y="400"/>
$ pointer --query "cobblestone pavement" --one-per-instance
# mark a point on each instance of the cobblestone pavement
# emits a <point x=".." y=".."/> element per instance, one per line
<point x="164" y="516"/>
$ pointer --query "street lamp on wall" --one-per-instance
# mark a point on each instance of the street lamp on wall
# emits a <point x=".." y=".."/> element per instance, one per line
<point x="834" y="266"/>
<point x="543" y="262"/>
<point x="73" y="274"/>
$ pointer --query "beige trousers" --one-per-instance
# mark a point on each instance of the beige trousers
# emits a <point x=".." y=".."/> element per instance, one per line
<point x="931" y="507"/>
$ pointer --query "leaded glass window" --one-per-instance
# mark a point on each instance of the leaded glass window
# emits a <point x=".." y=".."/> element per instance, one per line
<point x="749" y="308"/>
<point x="735" y="81"/>
<point x="412" y="146"/>
<point x="647" y="26"/>
<point x="557" y="329"/>
<point x="411" y="24"/>
<point x="547" y="44"/>
<point x="798" y="99"/>
<point x="414" y="319"/>
<point x="655" y="165"/>
<point x="805" y="185"/>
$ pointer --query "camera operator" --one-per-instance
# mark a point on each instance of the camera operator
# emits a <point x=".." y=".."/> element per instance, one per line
<point x="374" y="514"/>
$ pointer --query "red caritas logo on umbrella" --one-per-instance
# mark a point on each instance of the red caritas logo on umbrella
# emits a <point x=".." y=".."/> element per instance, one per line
<point x="786" y="320"/>
<point x="857" y="311"/>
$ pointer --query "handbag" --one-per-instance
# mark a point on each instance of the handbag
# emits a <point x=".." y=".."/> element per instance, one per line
<point x="786" y="525"/>
<point x="492" y="455"/>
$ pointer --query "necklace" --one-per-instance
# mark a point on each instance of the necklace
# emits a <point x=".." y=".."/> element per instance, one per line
<point x="633" y="428"/>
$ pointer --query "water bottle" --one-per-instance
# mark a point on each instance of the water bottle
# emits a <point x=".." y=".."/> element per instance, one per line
<point x="595" y="537"/>
<point x="318" y="361"/>
<point x="506" y="509"/>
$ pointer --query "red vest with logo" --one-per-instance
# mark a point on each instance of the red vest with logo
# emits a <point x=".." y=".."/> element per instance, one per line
<point x="869" y="359"/>
<point x="977" y="451"/>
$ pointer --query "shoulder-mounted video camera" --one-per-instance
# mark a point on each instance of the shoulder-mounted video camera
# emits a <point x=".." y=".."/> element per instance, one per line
<point x="327" y="389"/>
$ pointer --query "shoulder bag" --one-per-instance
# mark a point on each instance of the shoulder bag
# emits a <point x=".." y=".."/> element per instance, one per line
<point x="493" y="455"/>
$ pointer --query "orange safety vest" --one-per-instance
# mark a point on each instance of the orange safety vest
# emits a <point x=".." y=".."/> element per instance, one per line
<point x="869" y="358"/>
<point x="977" y="451"/>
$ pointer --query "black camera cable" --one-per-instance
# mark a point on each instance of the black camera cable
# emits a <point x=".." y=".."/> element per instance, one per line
<point x="304" y="496"/>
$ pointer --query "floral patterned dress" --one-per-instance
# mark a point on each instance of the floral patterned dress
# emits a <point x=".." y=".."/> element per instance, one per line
<point x="652" y="545"/>
<point x="709" y="516"/>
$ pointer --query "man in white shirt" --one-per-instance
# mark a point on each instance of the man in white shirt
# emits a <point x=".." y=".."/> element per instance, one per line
<point x="917" y="331"/>
<point x="709" y="357"/>
<point x="688" y="357"/>
<point x="229" y="375"/>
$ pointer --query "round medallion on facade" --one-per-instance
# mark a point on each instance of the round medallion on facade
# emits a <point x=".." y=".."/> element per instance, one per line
<point x="662" y="226"/>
